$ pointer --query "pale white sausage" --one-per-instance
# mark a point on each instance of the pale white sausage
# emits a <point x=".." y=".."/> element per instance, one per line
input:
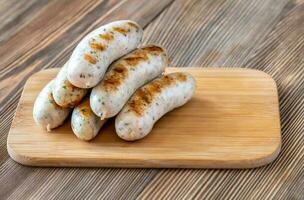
<point x="85" y="124"/>
<point x="96" y="51"/>
<point x="125" y="76"/>
<point x="65" y="94"/>
<point x="151" y="102"/>
<point x="46" y="112"/>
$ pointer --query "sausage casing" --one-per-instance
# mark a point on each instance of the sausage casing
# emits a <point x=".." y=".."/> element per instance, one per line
<point x="46" y="112"/>
<point x="151" y="102"/>
<point x="96" y="51"/>
<point x="85" y="124"/>
<point x="125" y="76"/>
<point x="65" y="94"/>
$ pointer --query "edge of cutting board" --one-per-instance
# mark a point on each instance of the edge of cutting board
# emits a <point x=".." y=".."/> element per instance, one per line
<point x="160" y="162"/>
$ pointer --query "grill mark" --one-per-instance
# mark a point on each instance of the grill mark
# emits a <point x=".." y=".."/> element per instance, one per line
<point x="121" y="30"/>
<point x="52" y="101"/>
<point x="117" y="74"/>
<point x="136" y="57"/>
<point x="153" y="48"/>
<point x="90" y="58"/>
<point x="85" y="109"/>
<point x="72" y="101"/>
<point x="106" y="36"/>
<point x="97" y="46"/>
<point x="145" y="95"/>
<point x="67" y="85"/>
<point x="181" y="77"/>
<point x="133" y="25"/>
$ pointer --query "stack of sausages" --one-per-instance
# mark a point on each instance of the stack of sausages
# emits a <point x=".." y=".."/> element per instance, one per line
<point x="108" y="75"/>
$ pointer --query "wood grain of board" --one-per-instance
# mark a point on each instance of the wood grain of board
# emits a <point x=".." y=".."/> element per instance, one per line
<point x="231" y="122"/>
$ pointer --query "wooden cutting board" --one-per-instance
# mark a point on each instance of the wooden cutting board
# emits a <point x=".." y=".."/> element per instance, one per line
<point x="231" y="122"/>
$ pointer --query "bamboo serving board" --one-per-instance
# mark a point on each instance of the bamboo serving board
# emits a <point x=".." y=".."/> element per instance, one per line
<point x="231" y="122"/>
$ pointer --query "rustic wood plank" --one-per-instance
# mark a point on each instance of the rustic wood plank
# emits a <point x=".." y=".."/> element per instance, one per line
<point x="231" y="33"/>
<point x="17" y="14"/>
<point x="216" y="33"/>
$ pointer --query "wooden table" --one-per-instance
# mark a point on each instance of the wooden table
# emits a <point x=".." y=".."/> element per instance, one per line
<point x="265" y="34"/>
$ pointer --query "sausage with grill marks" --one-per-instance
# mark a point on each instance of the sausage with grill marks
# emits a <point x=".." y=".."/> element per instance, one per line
<point x="124" y="77"/>
<point x="96" y="51"/>
<point x="65" y="94"/>
<point x="151" y="102"/>
<point x="46" y="112"/>
<point x="85" y="124"/>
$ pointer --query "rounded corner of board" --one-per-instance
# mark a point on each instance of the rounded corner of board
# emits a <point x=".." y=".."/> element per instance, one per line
<point x="265" y="74"/>
<point x="270" y="157"/>
<point x="19" y="157"/>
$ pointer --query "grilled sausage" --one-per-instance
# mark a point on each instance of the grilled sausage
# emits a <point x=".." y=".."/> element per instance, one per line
<point x="151" y="102"/>
<point x="124" y="77"/>
<point x="65" y="94"/>
<point x="46" y="112"/>
<point x="85" y="124"/>
<point x="95" y="52"/>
